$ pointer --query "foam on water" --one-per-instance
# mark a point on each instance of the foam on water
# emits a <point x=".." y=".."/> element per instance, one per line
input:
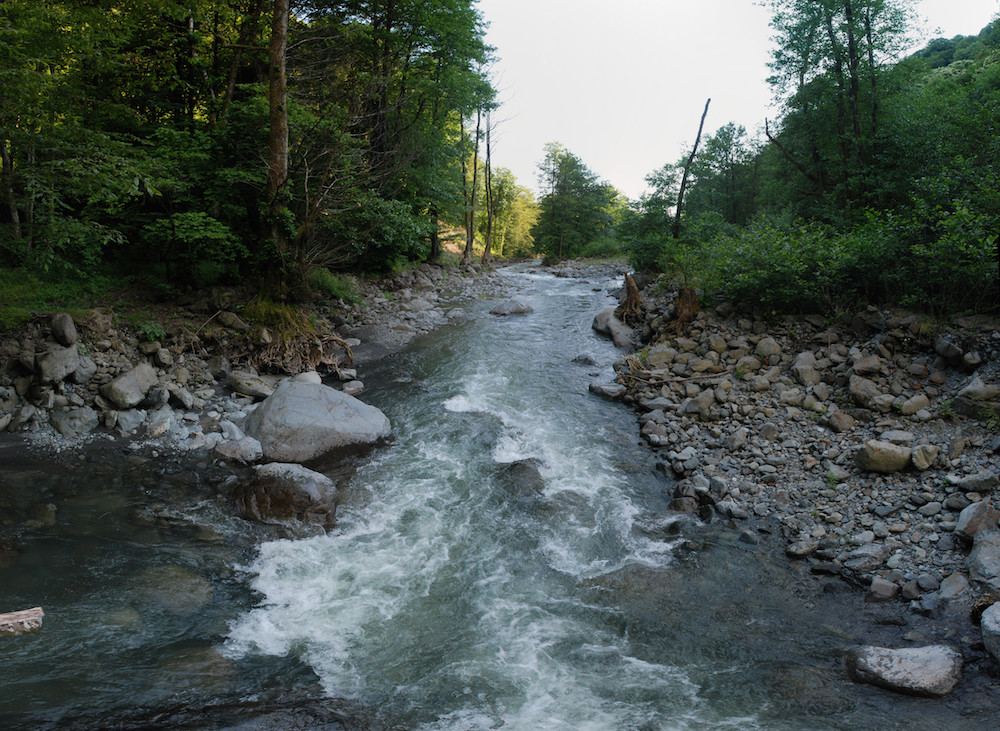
<point x="447" y="604"/>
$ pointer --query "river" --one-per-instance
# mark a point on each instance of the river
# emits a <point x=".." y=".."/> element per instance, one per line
<point x="508" y="562"/>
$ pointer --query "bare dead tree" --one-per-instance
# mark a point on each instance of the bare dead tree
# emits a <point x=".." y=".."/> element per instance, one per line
<point x="684" y="177"/>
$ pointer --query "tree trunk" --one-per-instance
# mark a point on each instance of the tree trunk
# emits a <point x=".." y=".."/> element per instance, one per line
<point x="277" y="164"/>
<point x="470" y="228"/>
<point x="248" y="29"/>
<point x="687" y="169"/>
<point x="7" y="187"/>
<point x="435" y="238"/>
<point x="488" y="179"/>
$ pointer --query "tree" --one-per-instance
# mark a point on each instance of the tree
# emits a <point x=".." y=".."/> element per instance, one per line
<point x="576" y="207"/>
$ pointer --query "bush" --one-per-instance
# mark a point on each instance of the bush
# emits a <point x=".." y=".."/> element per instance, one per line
<point x="343" y="287"/>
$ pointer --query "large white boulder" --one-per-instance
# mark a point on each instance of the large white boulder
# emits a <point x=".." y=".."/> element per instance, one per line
<point x="929" y="671"/>
<point x="304" y="421"/>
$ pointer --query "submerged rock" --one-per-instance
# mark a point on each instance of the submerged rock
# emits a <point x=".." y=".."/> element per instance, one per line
<point x="304" y="421"/>
<point x="289" y="495"/>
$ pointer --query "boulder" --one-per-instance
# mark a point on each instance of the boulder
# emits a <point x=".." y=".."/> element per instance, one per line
<point x="804" y="369"/>
<point x="245" y="450"/>
<point x="914" y="404"/>
<point x="866" y="558"/>
<point x="290" y="495"/>
<point x="128" y="389"/>
<point x="863" y="391"/>
<point x="304" y="421"/>
<point x="768" y="347"/>
<point x="879" y="456"/>
<point x="926" y="671"/>
<point x="990" y="626"/>
<point x="923" y="456"/>
<point x="607" y="324"/>
<point x="984" y="560"/>
<point x="976" y="517"/>
<point x="64" y="329"/>
<point x="840" y="422"/>
<point x="57" y="363"/>
<point x="74" y="423"/>
<point x="511" y="307"/>
<point x="85" y="371"/>
<point x="610" y="391"/>
<point x="250" y="384"/>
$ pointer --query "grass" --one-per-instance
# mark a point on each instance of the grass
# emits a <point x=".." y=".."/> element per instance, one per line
<point x="26" y="293"/>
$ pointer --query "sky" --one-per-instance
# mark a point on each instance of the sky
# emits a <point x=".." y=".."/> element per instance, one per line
<point x="622" y="83"/>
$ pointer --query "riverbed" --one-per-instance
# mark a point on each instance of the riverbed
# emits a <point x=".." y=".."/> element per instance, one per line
<point x="507" y="562"/>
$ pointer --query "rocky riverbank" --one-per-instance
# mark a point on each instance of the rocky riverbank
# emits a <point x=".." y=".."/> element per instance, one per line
<point x="869" y="447"/>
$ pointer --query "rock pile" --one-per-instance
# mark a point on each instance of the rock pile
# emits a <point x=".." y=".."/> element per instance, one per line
<point x="872" y="446"/>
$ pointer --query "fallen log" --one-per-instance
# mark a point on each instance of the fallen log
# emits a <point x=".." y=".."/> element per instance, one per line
<point x="21" y="623"/>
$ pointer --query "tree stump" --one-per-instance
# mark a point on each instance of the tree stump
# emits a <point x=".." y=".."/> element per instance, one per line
<point x="630" y="311"/>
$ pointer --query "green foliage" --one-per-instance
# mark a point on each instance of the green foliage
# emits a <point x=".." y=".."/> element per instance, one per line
<point x="342" y="287"/>
<point x="152" y="332"/>
<point x="576" y="209"/>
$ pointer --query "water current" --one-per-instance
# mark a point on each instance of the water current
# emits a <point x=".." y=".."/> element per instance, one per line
<point x="507" y="562"/>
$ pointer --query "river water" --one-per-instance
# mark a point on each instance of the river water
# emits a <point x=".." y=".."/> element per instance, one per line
<point x="508" y="562"/>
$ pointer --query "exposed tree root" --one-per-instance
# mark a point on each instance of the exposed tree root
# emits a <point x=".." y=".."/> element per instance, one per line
<point x="295" y="354"/>
<point x="685" y="310"/>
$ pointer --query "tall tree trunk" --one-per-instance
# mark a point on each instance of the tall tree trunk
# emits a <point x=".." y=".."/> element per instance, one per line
<point x="488" y="179"/>
<point x="470" y="230"/>
<point x="687" y="169"/>
<point x="871" y="72"/>
<point x="277" y="163"/>
<point x="7" y="187"/>
<point x="435" y="237"/>
<point x="842" y="135"/>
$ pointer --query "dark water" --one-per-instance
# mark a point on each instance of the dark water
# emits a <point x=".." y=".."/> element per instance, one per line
<point x="493" y="568"/>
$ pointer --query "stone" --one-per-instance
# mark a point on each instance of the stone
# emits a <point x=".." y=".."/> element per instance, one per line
<point x="884" y="457"/>
<point x="801" y="549"/>
<point x="737" y="439"/>
<point x="863" y="391"/>
<point x="947" y="347"/>
<point x="867" y="364"/>
<point x="840" y="422"/>
<point x="290" y="495"/>
<point x="897" y="436"/>
<point x="923" y="456"/>
<point x="977" y="390"/>
<point x="353" y="388"/>
<point x="128" y="389"/>
<point x="85" y="371"/>
<point x="804" y="369"/>
<point x="511" y="307"/>
<point x="925" y="671"/>
<point x="980" y="482"/>
<point x="304" y="421"/>
<point x="660" y="355"/>
<point x="64" y="329"/>
<point x="610" y="391"/>
<point x="160" y="421"/>
<point x="953" y="585"/>
<point x="989" y="624"/>
<point x="232" y="321"/>
<point x="606" y="323"/>
<point x="881" y="590"/>
<point x="163" y="358"/>
<point x="250" y="384"/>
<point x="57" y="363"/>
<point x="914" y="404"/>
<point x="246" y="450"/>
<point x="129" y="420"/>
<point x="866" y="558"/>
<point x="75" y="423"/>
<point x="984" y="560"/>
<point x="978" y="516"/>
<point x="768" y="347"/>
<point x="310" y="377"/>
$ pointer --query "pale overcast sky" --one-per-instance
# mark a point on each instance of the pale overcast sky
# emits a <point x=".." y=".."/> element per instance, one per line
<point x="622" y="84"/>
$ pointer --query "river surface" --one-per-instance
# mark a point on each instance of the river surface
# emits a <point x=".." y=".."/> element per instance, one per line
<point x="507" y="562"/>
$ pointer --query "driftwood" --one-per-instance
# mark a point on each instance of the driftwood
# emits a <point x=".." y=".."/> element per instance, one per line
<point x="21" y="623"/>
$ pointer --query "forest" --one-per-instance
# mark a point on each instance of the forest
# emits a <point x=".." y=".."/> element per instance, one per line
<point x="176" y="144"/>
